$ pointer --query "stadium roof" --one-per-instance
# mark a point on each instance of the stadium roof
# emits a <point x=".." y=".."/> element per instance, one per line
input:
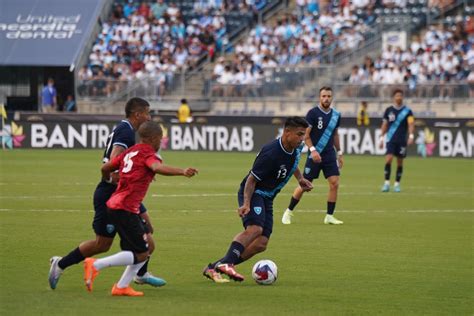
<point x="45" y="33"/>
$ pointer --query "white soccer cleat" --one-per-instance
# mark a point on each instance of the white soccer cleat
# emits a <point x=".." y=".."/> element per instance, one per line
<point x="286" y="219"/>
<point x="330" y="219"/>
<point x="54" y="272"/>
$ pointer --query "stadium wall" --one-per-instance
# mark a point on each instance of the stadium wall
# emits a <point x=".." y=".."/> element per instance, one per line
<point x="434" y="137"/>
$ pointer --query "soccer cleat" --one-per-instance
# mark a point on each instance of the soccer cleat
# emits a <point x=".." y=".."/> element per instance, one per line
<point x="90" y="273"/>
<point x="213" y="275"/>
<point x="54" y="272"/>
<point x="386" y="187"/>
<point x="228" y="269"/>
<point x="127" y="291"/>
<point x="150" y="279"/>
<point x="286" y="219"/>
<point x="396" y="188"/>
<point x="329" y="219"/>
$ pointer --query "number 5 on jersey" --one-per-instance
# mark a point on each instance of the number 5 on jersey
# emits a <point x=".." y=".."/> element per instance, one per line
<point x="128" y="161"/>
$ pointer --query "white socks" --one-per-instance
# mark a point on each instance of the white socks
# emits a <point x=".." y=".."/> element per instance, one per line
<point x="387" y="182"/>
<point x="123" y="258"/>
<point x="128" y="274"/>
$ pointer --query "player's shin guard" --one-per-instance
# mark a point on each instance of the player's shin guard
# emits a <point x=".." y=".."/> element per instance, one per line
<point x="74" y="257"/>
<point x="128" y="274"/>
<point x="234" y="252"/>
<point x="143" y="269"/>
<point x="388" y="169"/>
<point x="293" y="203"/>
<point x="399" y="173"/>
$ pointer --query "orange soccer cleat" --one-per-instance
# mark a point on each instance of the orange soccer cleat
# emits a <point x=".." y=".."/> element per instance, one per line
<point x="127" y="291"/>
<point x="90" y="273"/>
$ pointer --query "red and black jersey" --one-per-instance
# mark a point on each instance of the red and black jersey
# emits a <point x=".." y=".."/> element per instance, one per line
<point x="135" y="177"/>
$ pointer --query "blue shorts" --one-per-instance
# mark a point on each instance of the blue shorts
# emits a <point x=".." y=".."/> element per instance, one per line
<point x="328" y="165"/>
<point x="261" y="213"/>
<point x="397" y="149"/>
<point x="102" y="224"/>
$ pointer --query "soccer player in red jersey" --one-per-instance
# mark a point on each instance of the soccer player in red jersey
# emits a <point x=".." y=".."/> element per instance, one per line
<point x="137" y="166"/>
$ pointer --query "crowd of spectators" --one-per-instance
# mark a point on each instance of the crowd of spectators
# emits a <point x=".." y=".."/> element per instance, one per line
<point x="152" y="40"/>
<point x="441" y="57"/>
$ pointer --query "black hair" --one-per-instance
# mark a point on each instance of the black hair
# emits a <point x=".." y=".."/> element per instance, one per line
<point x="184" y="101"/>
<point x="397" y="91"/>
<point x="325" y="88"/>
<point x="296" y="121"/>
<point x="149" y="129"/>
<point x="135" y="105"/>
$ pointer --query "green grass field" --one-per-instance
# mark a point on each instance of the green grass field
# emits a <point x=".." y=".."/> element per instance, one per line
<point x="396" y="254"/>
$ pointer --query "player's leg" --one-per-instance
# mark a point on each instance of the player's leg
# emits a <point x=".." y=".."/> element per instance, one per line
<point x="260" y="243"/>
<point x="253" y="222"/>
<point x="388" y="166"/>
<point x="145" y="277"/>
<point x="103" y="228"/>
<point x="396" y="187"/>
<point x="135" y="252"/>
<point x="333" y="182"/>
<point x="311" y="171"/>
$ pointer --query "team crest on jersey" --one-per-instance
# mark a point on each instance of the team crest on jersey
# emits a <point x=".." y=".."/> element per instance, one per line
<point x="391" y="116"/>
<point x="110" y="228"/>
<point x="257" y="210"/>
<point x="307" y="170"/>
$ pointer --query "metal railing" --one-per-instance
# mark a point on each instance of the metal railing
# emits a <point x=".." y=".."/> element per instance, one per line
<point x="428" y="90"/>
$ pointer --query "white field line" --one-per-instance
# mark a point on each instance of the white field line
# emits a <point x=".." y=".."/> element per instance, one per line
<point x="235" y="211"/>
<point x="427" y="193"/>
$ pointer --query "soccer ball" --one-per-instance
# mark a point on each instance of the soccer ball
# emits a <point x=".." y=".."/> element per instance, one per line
<point x="265" y="272"/>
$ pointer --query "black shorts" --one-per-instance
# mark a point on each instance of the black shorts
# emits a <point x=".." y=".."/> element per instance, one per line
<point x="261" y="213"/>
<point x="102" y="225"/>
<point x="132" y="232"/>
<point x="397" y="149"/>
<point x="328" y="165"/>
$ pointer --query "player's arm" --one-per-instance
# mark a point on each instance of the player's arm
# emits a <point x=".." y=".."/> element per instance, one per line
<point x="117" y="150"/>
<point x="163" y="170"/>
<point x="307" y="140"/>
<point x="383" y="131"/>
<point x="249" y="189"/>
<point x="305" y="184"/>
<point x="109" y="168"/>
<point x="337" y="145"/>
<point x="411" y="129"/>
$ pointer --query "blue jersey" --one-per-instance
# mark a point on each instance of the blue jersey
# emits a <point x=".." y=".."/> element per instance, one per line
<point x="273" y="168"/>
<point x="397" y="119"/>
<point x="122" y="135"/>
<point x="323" y="126"/>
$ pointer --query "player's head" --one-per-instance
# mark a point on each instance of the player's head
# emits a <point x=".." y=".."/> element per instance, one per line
<point x="151" y="133"/>
<point x="137" y="111"/>
<point x="397" y="96"/>
<point x="293" y="132"/>
<point x="325" y="97"/>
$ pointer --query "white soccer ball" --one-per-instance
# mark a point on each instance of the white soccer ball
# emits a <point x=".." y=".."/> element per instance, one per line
<point x="265" y="272"/>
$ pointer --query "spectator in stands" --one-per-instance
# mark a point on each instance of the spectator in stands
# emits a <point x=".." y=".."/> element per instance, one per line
<point x="70" y="105"/>
<point x="208" y="42"/>
<point x="99" y="86"/>
<point x="48" y="97"/>
<point x="362" y="115"/>
<point x="158" y="9"/>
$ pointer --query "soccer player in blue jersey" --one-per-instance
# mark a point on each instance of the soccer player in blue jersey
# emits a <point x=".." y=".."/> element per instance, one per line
<point x="137" y="112"/>
<point x="324" y="154"/>
<point x="272" y="169"/>
<point x="398" y="119"/>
